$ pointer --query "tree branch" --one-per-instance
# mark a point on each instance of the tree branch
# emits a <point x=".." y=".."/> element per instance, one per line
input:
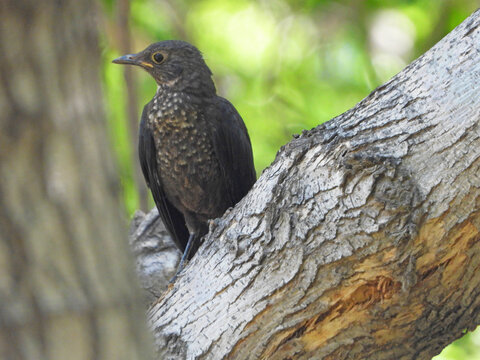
<point x="155" y="252"/>
<point x="359" y="241"/>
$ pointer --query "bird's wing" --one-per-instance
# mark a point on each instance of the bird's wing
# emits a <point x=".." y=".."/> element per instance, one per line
<point x="172" y="218"/>
<point x="233" y="149"/>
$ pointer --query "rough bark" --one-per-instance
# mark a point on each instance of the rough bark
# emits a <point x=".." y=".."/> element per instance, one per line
<point x="156" y="254"/>
<point x="360" y="241"/>
<point x="67" y="285"/>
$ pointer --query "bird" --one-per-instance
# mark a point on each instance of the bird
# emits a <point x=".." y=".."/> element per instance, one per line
<point x="194" y="148"/>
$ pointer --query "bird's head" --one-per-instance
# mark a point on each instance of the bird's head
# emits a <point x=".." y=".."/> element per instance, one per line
<point x="175" y="65"/>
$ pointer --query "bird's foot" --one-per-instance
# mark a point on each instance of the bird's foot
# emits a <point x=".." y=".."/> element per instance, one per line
<point x="184" y="259"/>
<point x="181" y="267"/>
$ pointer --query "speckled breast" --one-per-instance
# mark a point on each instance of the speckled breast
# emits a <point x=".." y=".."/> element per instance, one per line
<point x="185" y="156"/>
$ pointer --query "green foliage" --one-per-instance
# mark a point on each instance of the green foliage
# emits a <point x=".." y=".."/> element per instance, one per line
<point x="286" y="65"/>
<point x="119" y="132"/>
<point x="465" y="348"/>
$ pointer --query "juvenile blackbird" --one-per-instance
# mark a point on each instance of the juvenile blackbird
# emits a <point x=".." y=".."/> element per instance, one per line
<point x="194" y="148"/>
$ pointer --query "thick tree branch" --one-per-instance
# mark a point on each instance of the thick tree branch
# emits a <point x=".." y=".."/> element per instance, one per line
<point x="359" y="241"/>
<point x="155" y="252"/>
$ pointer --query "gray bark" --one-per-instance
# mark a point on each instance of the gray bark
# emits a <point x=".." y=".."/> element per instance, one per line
<point x="156" y="254"/>
<point x="360" y="241"/>
<point x="67" y="285"/>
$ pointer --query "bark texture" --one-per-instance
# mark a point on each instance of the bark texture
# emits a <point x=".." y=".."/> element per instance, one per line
<point x="360" y="241"/>
<point x="156" y="254"/>
<point x="67" y="285"/>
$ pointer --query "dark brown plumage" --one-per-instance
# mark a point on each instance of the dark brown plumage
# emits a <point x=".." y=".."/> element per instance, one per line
<point x="194" y="148"/>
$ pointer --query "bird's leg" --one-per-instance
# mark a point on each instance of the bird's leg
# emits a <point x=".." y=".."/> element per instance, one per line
<point x="186" y="253"/>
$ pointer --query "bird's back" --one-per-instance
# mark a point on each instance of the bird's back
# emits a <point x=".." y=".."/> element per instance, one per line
<point x="233" y="149"/>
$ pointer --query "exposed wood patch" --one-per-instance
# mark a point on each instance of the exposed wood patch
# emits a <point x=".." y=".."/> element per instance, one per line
<point x="314" y="332"/>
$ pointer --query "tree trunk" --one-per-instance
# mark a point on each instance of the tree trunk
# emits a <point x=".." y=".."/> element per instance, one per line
<point x="67" y="285"/>
<point x="360" y="241"/>
<point x="131" y="105"/>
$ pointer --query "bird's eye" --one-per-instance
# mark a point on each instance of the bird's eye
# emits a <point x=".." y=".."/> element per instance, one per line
<point x="158" y="57"/>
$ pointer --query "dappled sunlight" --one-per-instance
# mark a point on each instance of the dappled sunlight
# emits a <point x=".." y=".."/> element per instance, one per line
<point x="392" y="36"/>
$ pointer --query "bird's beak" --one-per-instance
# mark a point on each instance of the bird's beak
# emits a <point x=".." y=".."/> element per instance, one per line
<point x="132" y="59"/>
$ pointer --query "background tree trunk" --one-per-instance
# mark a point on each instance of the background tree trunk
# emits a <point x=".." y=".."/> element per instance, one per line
<point x="360" y="241"/>
<point x="67" y="288"/>
<point x="131" y="105"/>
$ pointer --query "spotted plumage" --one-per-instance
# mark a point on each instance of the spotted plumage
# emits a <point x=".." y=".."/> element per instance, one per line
<point x="194" y="148"/>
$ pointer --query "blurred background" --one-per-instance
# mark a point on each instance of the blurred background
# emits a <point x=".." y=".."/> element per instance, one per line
<point x="285" y="65"/>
